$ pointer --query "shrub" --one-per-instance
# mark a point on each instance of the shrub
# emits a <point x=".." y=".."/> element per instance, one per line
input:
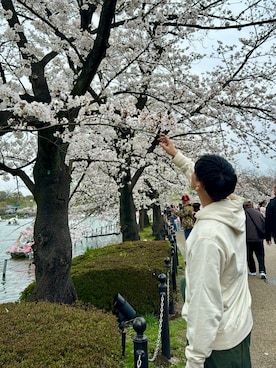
<point x="52" y="335"/>
<point x="129" y="268"/>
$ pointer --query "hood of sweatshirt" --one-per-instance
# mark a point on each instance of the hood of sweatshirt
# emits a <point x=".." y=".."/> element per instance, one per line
<point x="228" y="211"/>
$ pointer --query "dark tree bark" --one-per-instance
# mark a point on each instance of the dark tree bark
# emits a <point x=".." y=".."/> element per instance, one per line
<point x="158" y="228"/>
<point x="53" y="246"/>
<point x="51" y="187"/>
<point x="143" y="219"/>
<point x="129" y="226"/>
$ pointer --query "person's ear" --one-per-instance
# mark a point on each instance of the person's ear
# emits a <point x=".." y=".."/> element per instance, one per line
<point x="198" y="186"/>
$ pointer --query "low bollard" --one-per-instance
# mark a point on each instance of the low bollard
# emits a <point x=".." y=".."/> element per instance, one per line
<point x="165" y="334"/>
<point x="140" y="343"/>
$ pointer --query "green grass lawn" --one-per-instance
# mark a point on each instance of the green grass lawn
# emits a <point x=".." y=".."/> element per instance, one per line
<point x="177" y="343"/>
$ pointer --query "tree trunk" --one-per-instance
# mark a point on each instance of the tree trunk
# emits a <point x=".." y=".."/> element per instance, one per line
<point x="129" y="226"/>
<point x="53" y="245"/>
<point x="144" y="219"/>
<point x="158" y="228"/>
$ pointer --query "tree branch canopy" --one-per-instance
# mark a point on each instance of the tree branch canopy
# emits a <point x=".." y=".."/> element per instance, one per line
<point x="98" y="51"/>
<point x="88" y="71"/>
<point x="21" y="174"/>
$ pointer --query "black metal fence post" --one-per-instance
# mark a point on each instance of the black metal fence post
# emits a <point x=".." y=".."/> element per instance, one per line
<point x="170" y="294"/>
<point x="173" y="268"/>
<point x="140" y="343"/>
<point x="165" y="334"/>
<point x="174" y="245"/>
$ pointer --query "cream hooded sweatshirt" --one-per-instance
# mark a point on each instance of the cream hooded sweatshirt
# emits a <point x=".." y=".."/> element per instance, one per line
<point x="217" y="304"/>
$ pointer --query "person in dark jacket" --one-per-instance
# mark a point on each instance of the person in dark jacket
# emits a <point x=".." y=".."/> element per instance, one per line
<point x="255" y="234"/>
<point x="186" y="215"/>
<point x="270" y="219"/>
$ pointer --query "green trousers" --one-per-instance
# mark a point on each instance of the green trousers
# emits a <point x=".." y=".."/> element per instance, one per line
<point x="237" y="357"/>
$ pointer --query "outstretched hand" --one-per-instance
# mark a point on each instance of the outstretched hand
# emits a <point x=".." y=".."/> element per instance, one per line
<point x="167" y="144"/>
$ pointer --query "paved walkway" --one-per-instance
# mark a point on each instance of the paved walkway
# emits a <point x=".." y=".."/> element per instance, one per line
<point x="263" y="341"/>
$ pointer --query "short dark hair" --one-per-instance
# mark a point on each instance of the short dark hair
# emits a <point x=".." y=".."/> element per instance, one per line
<point x="217" y="175"/>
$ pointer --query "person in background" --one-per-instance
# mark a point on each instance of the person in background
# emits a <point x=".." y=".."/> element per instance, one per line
<point x="196" y="206"/>
<point x="172" y="216"/>
<point x="270" y="219"/>
<point x="255" y="234"/>
<point x="262" y="207"/>
<point x="177" y="223"/>
<point x="186" y="215"/>
<point x="217" y="305"/>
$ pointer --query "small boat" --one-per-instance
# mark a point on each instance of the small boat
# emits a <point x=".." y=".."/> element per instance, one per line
<point x="13" y="221"/>
<point x="22" y="248"/>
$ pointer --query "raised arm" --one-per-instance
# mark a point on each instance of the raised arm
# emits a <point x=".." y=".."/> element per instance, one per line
<point x="167" y="144"/>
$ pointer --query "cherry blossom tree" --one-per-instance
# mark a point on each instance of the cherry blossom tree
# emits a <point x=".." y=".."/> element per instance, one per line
<point x="87" y="85"/>
<point x="256" y="187"/>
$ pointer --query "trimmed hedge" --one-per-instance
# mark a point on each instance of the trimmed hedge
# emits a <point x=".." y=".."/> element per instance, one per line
<point x="39" y="335"/>
<point x="129" y="268"/>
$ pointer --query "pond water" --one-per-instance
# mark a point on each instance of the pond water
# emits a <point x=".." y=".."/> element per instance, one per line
<point x="17" y="274"/>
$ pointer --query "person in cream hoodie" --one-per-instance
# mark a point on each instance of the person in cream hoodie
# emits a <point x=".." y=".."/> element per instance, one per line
<point x="217" y="305"/>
